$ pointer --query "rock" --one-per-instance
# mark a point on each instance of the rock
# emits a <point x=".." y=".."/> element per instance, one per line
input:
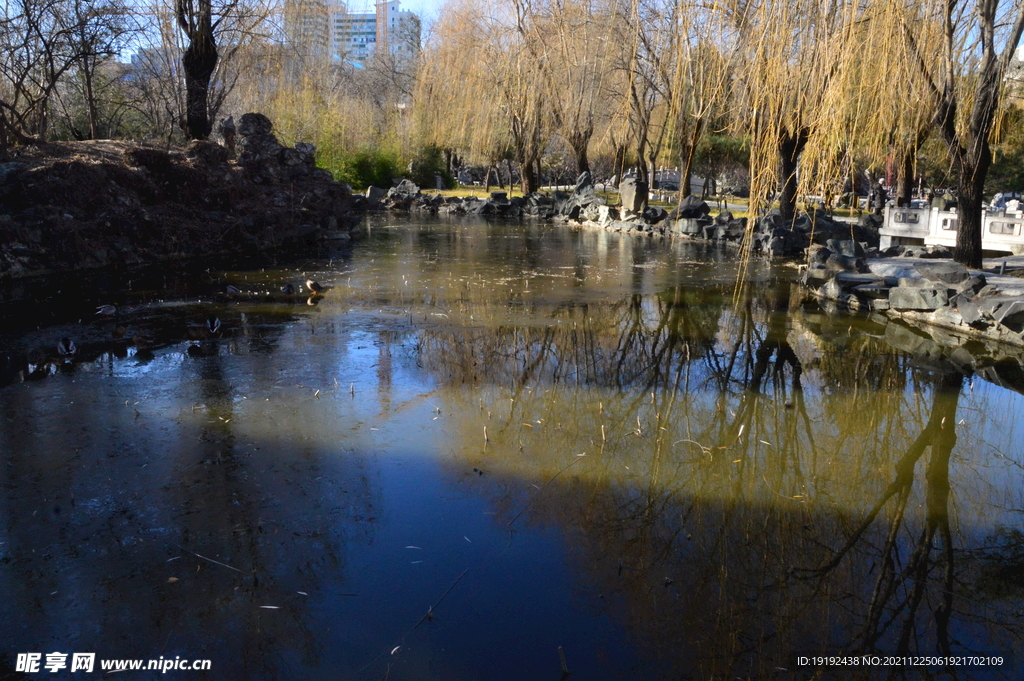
<point x="817" y="254"/>
<point x="291" y="157"/>
<point x="655" y="214"/>
<point x="582" y="196"/>
<point x="724" y="218"/>
<point x="852" y="279"/>
<point x="405" y="189"/>
<point x="816" y="275"/>
<point x="847" y="247"/>
<point x="308" y="152"/>
<point x="584" y="184"/>
<point x="606" y="215"/>
<point x="688" y="226"/>
<point x="871" y="222"/>
<point x="206" y="152"/>
<point x="914" y="282"/>
<point x="499" y="196"/>
<point x="943" y="272"/>
<point x="844" y="263"/>
<point x="937" y="252"/>
<point x="258" y="149"/>
<point x="633" y="194"/>
<point x="10" y="171"/>
<point x="693" y="207"/>
<point x="971" y="286"/>
<point x="1011" y="313"/>
<point x="254" y="124"/>
<point x="145" y="157"/>
<point x="375" y="194"/>
<point x="907" y="298"/>
<point x="871" y="291"/>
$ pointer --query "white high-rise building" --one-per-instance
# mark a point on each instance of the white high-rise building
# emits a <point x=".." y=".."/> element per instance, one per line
<point x="306" y="29"/>
<point x="358" y="36"/>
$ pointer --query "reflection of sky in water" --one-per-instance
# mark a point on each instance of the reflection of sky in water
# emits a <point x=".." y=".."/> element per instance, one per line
<point x="438" y="398"/>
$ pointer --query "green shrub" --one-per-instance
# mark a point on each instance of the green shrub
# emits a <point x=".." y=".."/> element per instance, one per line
<point x="360" y="169"/>
<point x="428" y="162"/>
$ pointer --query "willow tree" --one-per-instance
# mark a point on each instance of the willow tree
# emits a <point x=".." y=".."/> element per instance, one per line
<point x="976" y="44"/>
<point x="866" y="115"/>
<point x="790" y="55"/>
<point x="572" y="46"/>
<point x="480" y="88"/>
<point x="700" y="85"/>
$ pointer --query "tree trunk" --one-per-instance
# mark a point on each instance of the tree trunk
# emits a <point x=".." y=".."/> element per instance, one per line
<point x="791" y="145"/>
<point x="969" y="211"/>
<point x="905" y="181"/>
<point x="579" y="140"/>
<point x="530" y="180"/>
<point x="90" y="100"/>
<point x="199" y="61"/>
<point x="686" y="159"/>
<point x="620" y="164"/>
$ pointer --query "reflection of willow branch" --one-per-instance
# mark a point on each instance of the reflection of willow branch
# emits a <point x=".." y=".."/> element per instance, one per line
<point x="933" y="434"/>
<point x="537" y="496"/>
<point x="629" y="335"/>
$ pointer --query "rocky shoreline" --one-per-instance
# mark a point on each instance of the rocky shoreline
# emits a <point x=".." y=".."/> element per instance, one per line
<point x="936" y="292"/>
<point x="70" y="207"/>
<point x="583" y="207"/>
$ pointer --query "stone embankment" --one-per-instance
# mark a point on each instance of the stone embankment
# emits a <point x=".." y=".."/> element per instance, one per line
<point x="584" y="207"/>
<point x="84" y="205"/>
<point x="937" y="292"/>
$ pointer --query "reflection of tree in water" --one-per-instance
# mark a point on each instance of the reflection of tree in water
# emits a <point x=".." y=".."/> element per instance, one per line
<point x="734" y="505"/>
<point x="156" y="488"/>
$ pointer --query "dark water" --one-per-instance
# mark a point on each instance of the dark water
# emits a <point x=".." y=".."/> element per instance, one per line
<point x="488" y="442"/>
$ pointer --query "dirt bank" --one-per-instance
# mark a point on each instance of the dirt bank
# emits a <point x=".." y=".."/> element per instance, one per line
<point x="83" y="205"/>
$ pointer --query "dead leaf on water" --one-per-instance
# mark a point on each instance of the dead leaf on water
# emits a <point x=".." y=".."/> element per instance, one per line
<point x="172" y="579"/>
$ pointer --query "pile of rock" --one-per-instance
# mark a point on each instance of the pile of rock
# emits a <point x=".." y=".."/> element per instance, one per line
<point x="267" y="160"/>
<point x="938" y="292"/>
<point x="406" y="196"/>
<point x="79" y="205"/>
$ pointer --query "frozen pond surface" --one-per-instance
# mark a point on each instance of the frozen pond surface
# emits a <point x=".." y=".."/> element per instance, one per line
<point x="487" y="442"/>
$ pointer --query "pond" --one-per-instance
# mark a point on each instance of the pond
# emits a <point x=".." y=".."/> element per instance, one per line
<point x="504" y="451"/>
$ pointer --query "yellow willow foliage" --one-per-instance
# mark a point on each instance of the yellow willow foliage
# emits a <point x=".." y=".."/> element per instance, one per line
<point x="335" y="107"/>
<point x="896" y="60"/>
<point x="474" y="80"/>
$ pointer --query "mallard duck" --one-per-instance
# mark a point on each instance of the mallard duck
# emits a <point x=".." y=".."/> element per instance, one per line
<point x="66" y="348"/>
<point x="232" y="290"/>
<point x="289" y="289"/>
<point x="314" y="287"/>
<point x="106" y="310"/>
<point x="213" y="325"/>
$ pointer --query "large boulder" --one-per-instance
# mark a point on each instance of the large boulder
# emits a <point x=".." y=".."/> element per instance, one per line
<point x="206" y="152"/>
<point x="583" y="195"/>
<point x="404" y="189"/>
<point x="254" y="124"/>
<point x="950" y="272"/>
<point x="694" y="207"/>
<point x="633" y="194"/>
<point x="916" y="298"/>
